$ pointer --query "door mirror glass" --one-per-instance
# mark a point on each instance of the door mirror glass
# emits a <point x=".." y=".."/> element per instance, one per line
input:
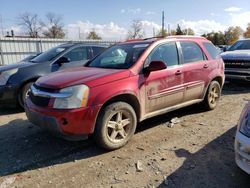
<point x="156" y="65"/>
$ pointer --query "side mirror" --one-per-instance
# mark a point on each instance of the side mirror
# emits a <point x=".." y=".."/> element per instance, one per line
<point x="224" y="49"/>
<point x="155" y="66"/>
<point x="62" y="60"/>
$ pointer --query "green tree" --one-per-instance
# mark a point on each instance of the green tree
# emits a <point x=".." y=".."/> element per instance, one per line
<point x="178" y="30"/>
<point x="217" y="38"/>
<point x="247" y="33"/>
<point x="232" y="34"/>
<point x="188" y="31"/>
<point x="94" y="36"/>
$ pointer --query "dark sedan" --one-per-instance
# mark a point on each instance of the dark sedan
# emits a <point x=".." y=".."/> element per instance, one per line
<point x="16" y="79"/>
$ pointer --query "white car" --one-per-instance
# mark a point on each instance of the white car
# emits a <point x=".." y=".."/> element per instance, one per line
<point x="242" y="140"/>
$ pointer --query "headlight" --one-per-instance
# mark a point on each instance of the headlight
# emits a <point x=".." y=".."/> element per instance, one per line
<point x="244" y="122"/>
<point x="78" y="98"/>
<point x="5" y="75"/>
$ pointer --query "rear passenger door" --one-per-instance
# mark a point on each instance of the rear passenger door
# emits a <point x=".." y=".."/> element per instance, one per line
<point x="77" y="56"/>
<point x="195" y="70"/>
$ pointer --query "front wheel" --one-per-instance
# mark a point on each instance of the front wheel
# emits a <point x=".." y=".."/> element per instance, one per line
<point x="24" y="93"/>
<point x="212" y="96"/>
<point x="115" y="125"/>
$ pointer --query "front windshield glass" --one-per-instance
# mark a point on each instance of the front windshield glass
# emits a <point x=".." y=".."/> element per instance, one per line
<point x="49" y="55"/>
<point x="121" y="56"/>
<point x="240" y="45"/>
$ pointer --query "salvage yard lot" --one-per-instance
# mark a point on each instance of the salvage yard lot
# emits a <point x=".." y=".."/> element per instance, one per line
<point x="196" y="152"/>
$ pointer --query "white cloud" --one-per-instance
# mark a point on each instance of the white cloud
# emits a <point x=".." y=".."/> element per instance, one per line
<point x="240" y="19"/>
<point x="214" y="14"/>
<point x="202" y="26"/>
<point x="131" y="11"/>
<point x="108" y="31"/>
<point x="233" y="9"/>
<point x="123" y="11"/>
<point x="150" y="13"/>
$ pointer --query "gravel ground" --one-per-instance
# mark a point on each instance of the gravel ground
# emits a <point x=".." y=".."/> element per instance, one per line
<point x="197" y="151"/>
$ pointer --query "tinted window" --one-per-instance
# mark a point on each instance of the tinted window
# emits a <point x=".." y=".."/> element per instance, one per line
<point x="214" y="53"/>
<point x="166" y="53"/>
<point x="240" y="45"/>
<point x="97" y="50"/>
<point x="77" y="54"/>
<point x="191" y="52"/>
<point x="120" y="56"/>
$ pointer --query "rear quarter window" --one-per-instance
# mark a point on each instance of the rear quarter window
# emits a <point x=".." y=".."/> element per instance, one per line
<point x="214" y="53"/>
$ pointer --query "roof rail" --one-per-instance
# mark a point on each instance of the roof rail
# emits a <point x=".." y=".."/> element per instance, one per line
<point x="134" y="40"/>
<point x="186" y="36"/>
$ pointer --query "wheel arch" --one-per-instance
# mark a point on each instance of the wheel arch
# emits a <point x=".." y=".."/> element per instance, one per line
<point x="129" y="98"/>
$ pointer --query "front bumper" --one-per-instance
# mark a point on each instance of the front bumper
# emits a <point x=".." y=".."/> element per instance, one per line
<point x="74" y="124"/>
<point x="8" y="94"/>
<point x="242" y="151"/>
<point x="237" y="74"/>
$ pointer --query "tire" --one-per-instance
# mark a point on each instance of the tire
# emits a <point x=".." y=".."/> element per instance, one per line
<point x="23" y="94"/>
<point x="115" y="126"/>
<point x="212" y="96"/>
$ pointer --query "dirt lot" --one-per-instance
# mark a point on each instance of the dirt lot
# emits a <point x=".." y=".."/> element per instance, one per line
<point x="196" y="152"/>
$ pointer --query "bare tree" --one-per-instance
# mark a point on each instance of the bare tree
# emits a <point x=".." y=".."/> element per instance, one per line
<point x="136" y="30"/>
<point x="30" y="22"/>
<point x="53" y="26"/>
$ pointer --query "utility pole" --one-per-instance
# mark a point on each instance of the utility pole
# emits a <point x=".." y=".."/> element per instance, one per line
<point x="162" y="24"/>
<point x="1" y="24"/>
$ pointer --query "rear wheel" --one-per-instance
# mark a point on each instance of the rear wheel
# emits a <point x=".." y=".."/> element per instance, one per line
<point x="24" y="93"/>
<point x="115" y="125"/>
<point x="212" y="96"/>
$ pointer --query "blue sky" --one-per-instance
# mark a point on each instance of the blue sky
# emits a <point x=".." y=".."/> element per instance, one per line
<point x="112" y="18"/>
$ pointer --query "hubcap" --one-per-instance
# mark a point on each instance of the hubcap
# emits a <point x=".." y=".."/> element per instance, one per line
<point x="118" y="126"/>
<point x="214" y="95"/>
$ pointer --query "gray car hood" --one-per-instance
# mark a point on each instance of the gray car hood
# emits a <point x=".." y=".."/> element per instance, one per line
<point x="16" y="65"/>
<point x="236" y="55"/>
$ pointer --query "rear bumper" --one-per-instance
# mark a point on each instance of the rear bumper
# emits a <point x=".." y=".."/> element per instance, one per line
<point x="73" y="124"/>
<point x="242" y="152"/>
<point x="8" y="94"/>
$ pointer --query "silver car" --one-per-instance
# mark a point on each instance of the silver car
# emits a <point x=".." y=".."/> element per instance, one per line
<point x="242" y="140"/>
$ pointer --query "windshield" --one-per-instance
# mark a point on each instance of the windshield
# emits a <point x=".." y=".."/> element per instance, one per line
<point x="121" y="56"/>
<point x="49" y="55"/>
<point x="240" y="45"/>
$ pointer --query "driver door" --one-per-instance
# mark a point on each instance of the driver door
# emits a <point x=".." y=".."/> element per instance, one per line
<point x="164" y="88"/>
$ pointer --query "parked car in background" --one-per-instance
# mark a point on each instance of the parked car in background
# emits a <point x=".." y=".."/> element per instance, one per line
<point x="237" y="61"/>
<point x="242" y="140"/>
<point x="126" y="84"/>
<point x="16" y="79"/>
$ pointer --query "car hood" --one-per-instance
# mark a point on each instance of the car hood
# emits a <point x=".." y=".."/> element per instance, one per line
<point x="84" y="75"/>
<point x="236" y="55"/>
<point x="16" y="65"/>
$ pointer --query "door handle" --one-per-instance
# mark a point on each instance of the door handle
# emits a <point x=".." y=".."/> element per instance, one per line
<point x="205" y="66"/>
<point x="178" y="72"/>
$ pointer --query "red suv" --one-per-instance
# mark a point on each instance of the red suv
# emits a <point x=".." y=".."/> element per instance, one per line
<point x="126" y="84"/>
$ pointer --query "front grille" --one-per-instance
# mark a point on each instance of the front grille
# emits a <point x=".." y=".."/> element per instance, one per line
<point x="38" y="100"/>
<point x="241" y="64"/>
